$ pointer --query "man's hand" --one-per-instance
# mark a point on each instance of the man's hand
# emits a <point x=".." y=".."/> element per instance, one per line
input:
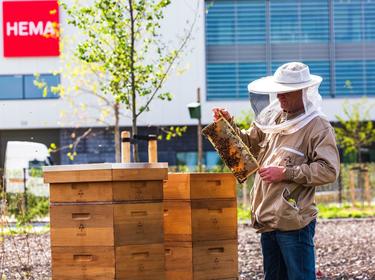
<point x="272" y="174"/>
<point x="217" y="111"/>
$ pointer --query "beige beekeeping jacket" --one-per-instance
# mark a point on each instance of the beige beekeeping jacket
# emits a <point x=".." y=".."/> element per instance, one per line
<point x="311" y="159"/>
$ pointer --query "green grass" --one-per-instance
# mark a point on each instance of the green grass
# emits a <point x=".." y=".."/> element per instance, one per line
<point x="21" y="230"/>
<point x="326" y="211"/>
<point x="332" y="211"/>
<point x="243" y="214"/>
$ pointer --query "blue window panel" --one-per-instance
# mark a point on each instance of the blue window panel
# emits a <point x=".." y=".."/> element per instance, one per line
<point x="307" y="21"/>
<point x="230" y="80"/>
<point x="190" y="159"/>
<point x="321" y="68"/>
<point x="11" y="87"/>
<point x="212" y="159"/>
<point x="221" y="80"/>
<point x="232" y="22"/>
<point x="347" y="20"/>
<point x="220" y="22"/>
<point x="249" y="72"/>
<point x="349" y="78"/>
<point x="284" y="21"/>
<point x="369" y="20"/>
<point x="370" y="77"/>
<point x="314" y="21"/>
<point x="33" y="92"/>
<point x="251" y="22"/>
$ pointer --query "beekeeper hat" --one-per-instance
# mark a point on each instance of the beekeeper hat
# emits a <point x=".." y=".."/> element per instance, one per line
<point x="288" y="77"/>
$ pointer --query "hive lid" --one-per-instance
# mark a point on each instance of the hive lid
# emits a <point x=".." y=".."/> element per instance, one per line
<point x="140" y="165"/>
<point x="77" y="167"/>
<point x="100" y="172"/>
<point x="103" y="166"/>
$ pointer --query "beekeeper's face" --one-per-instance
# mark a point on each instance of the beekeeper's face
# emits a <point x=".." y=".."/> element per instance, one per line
<point x="291" y="101"/>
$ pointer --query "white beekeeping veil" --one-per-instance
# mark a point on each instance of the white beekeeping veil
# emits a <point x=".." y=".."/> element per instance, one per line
<point x="289" y="77"/>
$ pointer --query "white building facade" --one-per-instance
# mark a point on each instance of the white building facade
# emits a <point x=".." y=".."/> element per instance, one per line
<point x="234" y="42"/>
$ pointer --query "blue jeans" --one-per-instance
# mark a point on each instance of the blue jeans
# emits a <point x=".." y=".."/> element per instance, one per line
<point x="289" y="254"/>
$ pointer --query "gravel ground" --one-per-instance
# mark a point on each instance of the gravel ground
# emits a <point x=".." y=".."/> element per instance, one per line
<point x="345" y="249"/>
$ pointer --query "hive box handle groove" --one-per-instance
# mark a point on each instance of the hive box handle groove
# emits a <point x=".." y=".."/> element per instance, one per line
<point x="139" y="213"/>
<point x="215" y="182"/>
<point x="168" y="252"/>
<point x="83" y="258"/>
<point x="140" y="255"/>
<point x="81" y="216"/>
<point x="219" y="250"/>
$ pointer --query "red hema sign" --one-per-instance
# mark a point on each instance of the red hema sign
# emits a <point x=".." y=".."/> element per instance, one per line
<point x="31" y="28"/>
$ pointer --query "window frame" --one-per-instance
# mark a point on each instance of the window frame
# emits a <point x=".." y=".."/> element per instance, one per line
<point x="50" y="96"/>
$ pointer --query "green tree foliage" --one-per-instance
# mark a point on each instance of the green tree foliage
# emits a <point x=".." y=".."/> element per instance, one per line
<point x="245" y="120"/>
<point x="355" y="130"/>
<point x="123" y="48"/>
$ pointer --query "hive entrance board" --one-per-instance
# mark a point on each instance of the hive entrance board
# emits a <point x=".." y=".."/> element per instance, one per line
<point x="232" y="150"/>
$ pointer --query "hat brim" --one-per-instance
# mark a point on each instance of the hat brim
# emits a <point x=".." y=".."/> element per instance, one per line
<point x="268" y="85"/>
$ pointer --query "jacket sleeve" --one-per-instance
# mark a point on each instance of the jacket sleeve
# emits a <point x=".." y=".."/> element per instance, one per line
<point x="251" y="137"/>
<point x="324" y="161"/>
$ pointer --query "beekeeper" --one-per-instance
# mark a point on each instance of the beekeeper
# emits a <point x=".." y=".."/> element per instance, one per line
<point x="295" y="146"/>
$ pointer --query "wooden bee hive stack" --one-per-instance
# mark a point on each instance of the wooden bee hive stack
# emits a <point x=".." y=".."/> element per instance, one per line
<point x="107" y="221"/>
<point x="200" y="226"/>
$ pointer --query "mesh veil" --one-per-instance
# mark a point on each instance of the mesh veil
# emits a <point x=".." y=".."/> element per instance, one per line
<point x="266" y="119"/>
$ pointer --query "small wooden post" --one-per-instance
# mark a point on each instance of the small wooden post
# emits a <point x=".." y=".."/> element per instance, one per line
<point x="152" y="148"/>
<point x="125" y="146"/>
<point x="199" y="132"/>
<point x="352" y="186"/>
<point x="367" y="187"/>
<point x="245" y="201"/>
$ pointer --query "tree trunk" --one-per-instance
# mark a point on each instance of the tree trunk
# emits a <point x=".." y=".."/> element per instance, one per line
<point x="135" y="145"/>
<point x="133" y="90"/>
<point x="117" y="132"/>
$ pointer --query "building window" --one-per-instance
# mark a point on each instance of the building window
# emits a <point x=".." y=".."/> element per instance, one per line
<point x="235" y="46"/>
<point x="306" y="21"/>
<point x="22" y="87"/>
<point x="349" y="78"/>
<point x="229" y="80"/>
<point x="11" y="87"/>
<point x="354" y="21"/>
<point x="348" y="21"/>
<point x="249" y="39"/>
<point x="190" y="159"/>
<point x="370" y="77"/>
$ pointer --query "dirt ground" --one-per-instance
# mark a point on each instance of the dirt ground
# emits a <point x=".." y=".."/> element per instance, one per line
<point x="345" y="249"/>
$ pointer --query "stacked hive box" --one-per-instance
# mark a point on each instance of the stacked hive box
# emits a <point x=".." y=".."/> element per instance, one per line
<point x="107" y="221"/>
<point x="200" y="227"/>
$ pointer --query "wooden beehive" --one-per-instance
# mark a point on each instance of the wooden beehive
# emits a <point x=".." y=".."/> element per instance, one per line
<point x="107" y="221"/>
<point x="200" y="220"/>
<point x="207" y="260"/>
<point x="200" y="226"/>
<point x="191" y="186"/>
